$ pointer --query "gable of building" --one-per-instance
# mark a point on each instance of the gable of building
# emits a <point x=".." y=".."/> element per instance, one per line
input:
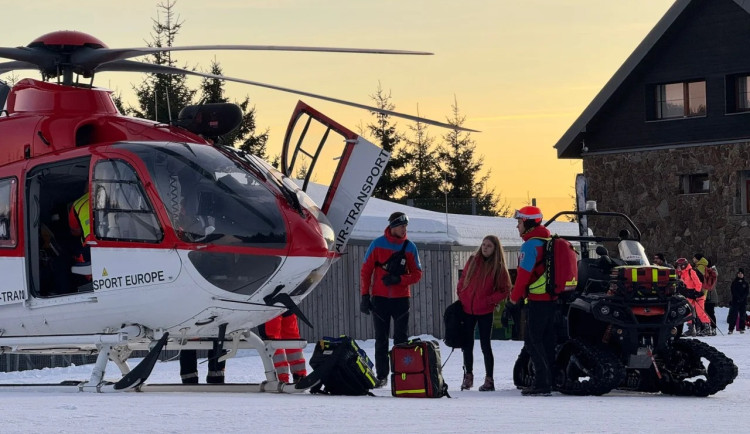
<point x="701" y="45"/>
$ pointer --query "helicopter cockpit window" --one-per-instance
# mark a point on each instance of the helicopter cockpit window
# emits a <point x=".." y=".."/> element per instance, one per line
<point x="7" y="222"/>
<point x="121" y="208"/>
<point x="210" y="197"/>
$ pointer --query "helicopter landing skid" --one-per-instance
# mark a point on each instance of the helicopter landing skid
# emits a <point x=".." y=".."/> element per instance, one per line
<point x="134" y="380"/>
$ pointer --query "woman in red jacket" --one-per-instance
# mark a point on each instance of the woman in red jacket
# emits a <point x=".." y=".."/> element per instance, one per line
<point x="484" y="282"/>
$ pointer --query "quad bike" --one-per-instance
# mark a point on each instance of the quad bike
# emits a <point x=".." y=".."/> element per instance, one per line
<point x="622" y="327"/>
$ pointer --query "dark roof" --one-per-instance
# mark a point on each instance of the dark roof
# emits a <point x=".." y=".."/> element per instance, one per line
<point x="571" y="136"/>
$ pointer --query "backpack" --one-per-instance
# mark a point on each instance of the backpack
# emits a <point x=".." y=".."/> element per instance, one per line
<point x="340" y="367"/>
<point x="560" y="265"/>
<point x="711" y="277"/>
<point x="417" y="371"/>
<point x="454" y="319"/>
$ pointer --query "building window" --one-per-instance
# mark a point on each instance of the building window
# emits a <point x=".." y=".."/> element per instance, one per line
<point x="680" y="100"/>
<point x="694" y="183"/>
<point x="738" y="93"/>
<point x="742" y="200"/>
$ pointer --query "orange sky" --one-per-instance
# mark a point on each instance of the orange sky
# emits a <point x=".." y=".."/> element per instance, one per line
<point x="521" y="71"/>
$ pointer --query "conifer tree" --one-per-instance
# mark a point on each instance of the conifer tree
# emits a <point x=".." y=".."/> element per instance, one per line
<point x="212" y="91"/>
<point x="392" y="183"/>
<point x="162" y="96"/>
<point x="424" y="177"/>
<point x="463" y="167"/>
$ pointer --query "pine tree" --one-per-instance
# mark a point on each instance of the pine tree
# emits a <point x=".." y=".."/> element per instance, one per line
<point x="463" y="166"/>
<point x="424" y="177"/>
<point x="392" y="182"/>
<point x="212" y="91"/>
<point x="162" y="96"/>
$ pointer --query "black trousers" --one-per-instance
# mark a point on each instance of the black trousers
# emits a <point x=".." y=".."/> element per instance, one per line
<point x="189" y="367"/>
<point x="711" y="312"/>
<point x="737" y="313"/>
<point x="541" y="337"/>
<point x="485" y="335"/>
<point x="385" y="309"/>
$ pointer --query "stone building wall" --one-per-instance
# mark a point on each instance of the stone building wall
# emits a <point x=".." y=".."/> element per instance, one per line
<point x="645" y="185"/>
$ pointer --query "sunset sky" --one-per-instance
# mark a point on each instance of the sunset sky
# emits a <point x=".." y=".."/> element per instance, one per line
<point x="521" y="71"/>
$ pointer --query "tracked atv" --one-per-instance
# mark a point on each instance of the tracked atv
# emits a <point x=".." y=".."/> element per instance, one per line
<point x="621" y="327"/>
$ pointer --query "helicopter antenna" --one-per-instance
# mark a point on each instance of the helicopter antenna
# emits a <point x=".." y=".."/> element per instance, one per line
<point x="169" y="108"/>
<point x="156" y="105"/>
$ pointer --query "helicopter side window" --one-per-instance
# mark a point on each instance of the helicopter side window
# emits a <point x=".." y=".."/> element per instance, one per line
<point x="7" y="218"/>
<point x="122" y="210"/>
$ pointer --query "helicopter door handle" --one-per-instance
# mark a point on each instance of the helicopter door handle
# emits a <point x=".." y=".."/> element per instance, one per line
<point x="91" y="243"/>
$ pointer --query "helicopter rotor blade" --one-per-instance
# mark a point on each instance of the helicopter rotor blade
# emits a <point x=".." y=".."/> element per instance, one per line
<point x="23" y="54"/>
<point x="16" y="65"/>
<point x="131" y="66"/>
<point x="97" y="56"/>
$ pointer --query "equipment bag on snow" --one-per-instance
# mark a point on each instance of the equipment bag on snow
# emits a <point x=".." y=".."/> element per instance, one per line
<point x="561" y="265"/>
<point x="343" y="367"/>
<point x="417" y="372"/>
<point x="454" y="319"/>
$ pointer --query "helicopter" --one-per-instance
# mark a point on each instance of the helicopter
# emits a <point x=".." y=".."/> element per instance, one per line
<point x="191" y="243"/>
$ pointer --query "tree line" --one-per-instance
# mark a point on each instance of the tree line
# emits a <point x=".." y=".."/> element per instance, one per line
<point x="424" y="171"/>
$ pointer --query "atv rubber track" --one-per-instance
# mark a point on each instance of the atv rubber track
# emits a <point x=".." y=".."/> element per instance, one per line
<point x="683" y="363"/>
<point x="582" y="369"/>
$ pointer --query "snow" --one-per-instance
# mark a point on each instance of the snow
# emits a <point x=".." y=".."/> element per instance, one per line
<point x="504" y="410"/>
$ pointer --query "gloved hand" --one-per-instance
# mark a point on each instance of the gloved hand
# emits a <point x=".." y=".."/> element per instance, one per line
<point x="365" y="306"/>
<point x="511" y="308"/>
<point x="391" y="279"/>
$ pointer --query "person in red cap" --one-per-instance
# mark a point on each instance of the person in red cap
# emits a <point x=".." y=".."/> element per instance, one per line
<point x="531" y="284"/>
<point x="390" y="267"/>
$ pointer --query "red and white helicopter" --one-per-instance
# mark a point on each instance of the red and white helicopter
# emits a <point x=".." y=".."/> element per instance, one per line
<point x="191" y="243"/>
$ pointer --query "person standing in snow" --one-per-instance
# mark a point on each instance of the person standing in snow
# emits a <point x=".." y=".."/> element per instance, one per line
<point x="738" y="307"/>
<point x="694" y="296"/>
<point x="484" y="282"/>
<point x="390" y="267"/>
<point x="531" y="284"/>
<point x="709" y="291"/>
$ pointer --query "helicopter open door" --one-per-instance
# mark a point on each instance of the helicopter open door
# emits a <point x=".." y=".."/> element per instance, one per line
<point x="360" y="165"/>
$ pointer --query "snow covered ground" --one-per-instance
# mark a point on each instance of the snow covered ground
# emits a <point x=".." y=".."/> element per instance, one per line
<point x="504" y="410"/>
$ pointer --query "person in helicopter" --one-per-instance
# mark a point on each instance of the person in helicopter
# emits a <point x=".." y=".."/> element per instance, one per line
<point x="79" y="220"/>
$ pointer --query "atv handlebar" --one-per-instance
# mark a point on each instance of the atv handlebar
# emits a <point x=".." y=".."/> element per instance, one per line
<point x="636" y="232"/>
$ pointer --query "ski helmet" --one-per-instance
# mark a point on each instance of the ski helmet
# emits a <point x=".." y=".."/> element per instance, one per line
<point x="529" y="213"/>
<point x="681" y="263"/>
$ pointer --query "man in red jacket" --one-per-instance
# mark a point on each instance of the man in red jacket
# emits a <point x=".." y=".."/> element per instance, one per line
<point x="531" y="283"/>
<point x="390" y="267"/>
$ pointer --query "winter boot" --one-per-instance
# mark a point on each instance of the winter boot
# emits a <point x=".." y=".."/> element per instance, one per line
<point x="488" y="386"/>
<point x="468" y="382"/>
<point x="381" y="382"/>
<point x="730" y="331"/>
<point x="691" y="330"/>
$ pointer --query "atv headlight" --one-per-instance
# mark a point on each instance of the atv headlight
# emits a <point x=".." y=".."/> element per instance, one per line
<point x="604" y="310"/>
<point x="681" y="310"/>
